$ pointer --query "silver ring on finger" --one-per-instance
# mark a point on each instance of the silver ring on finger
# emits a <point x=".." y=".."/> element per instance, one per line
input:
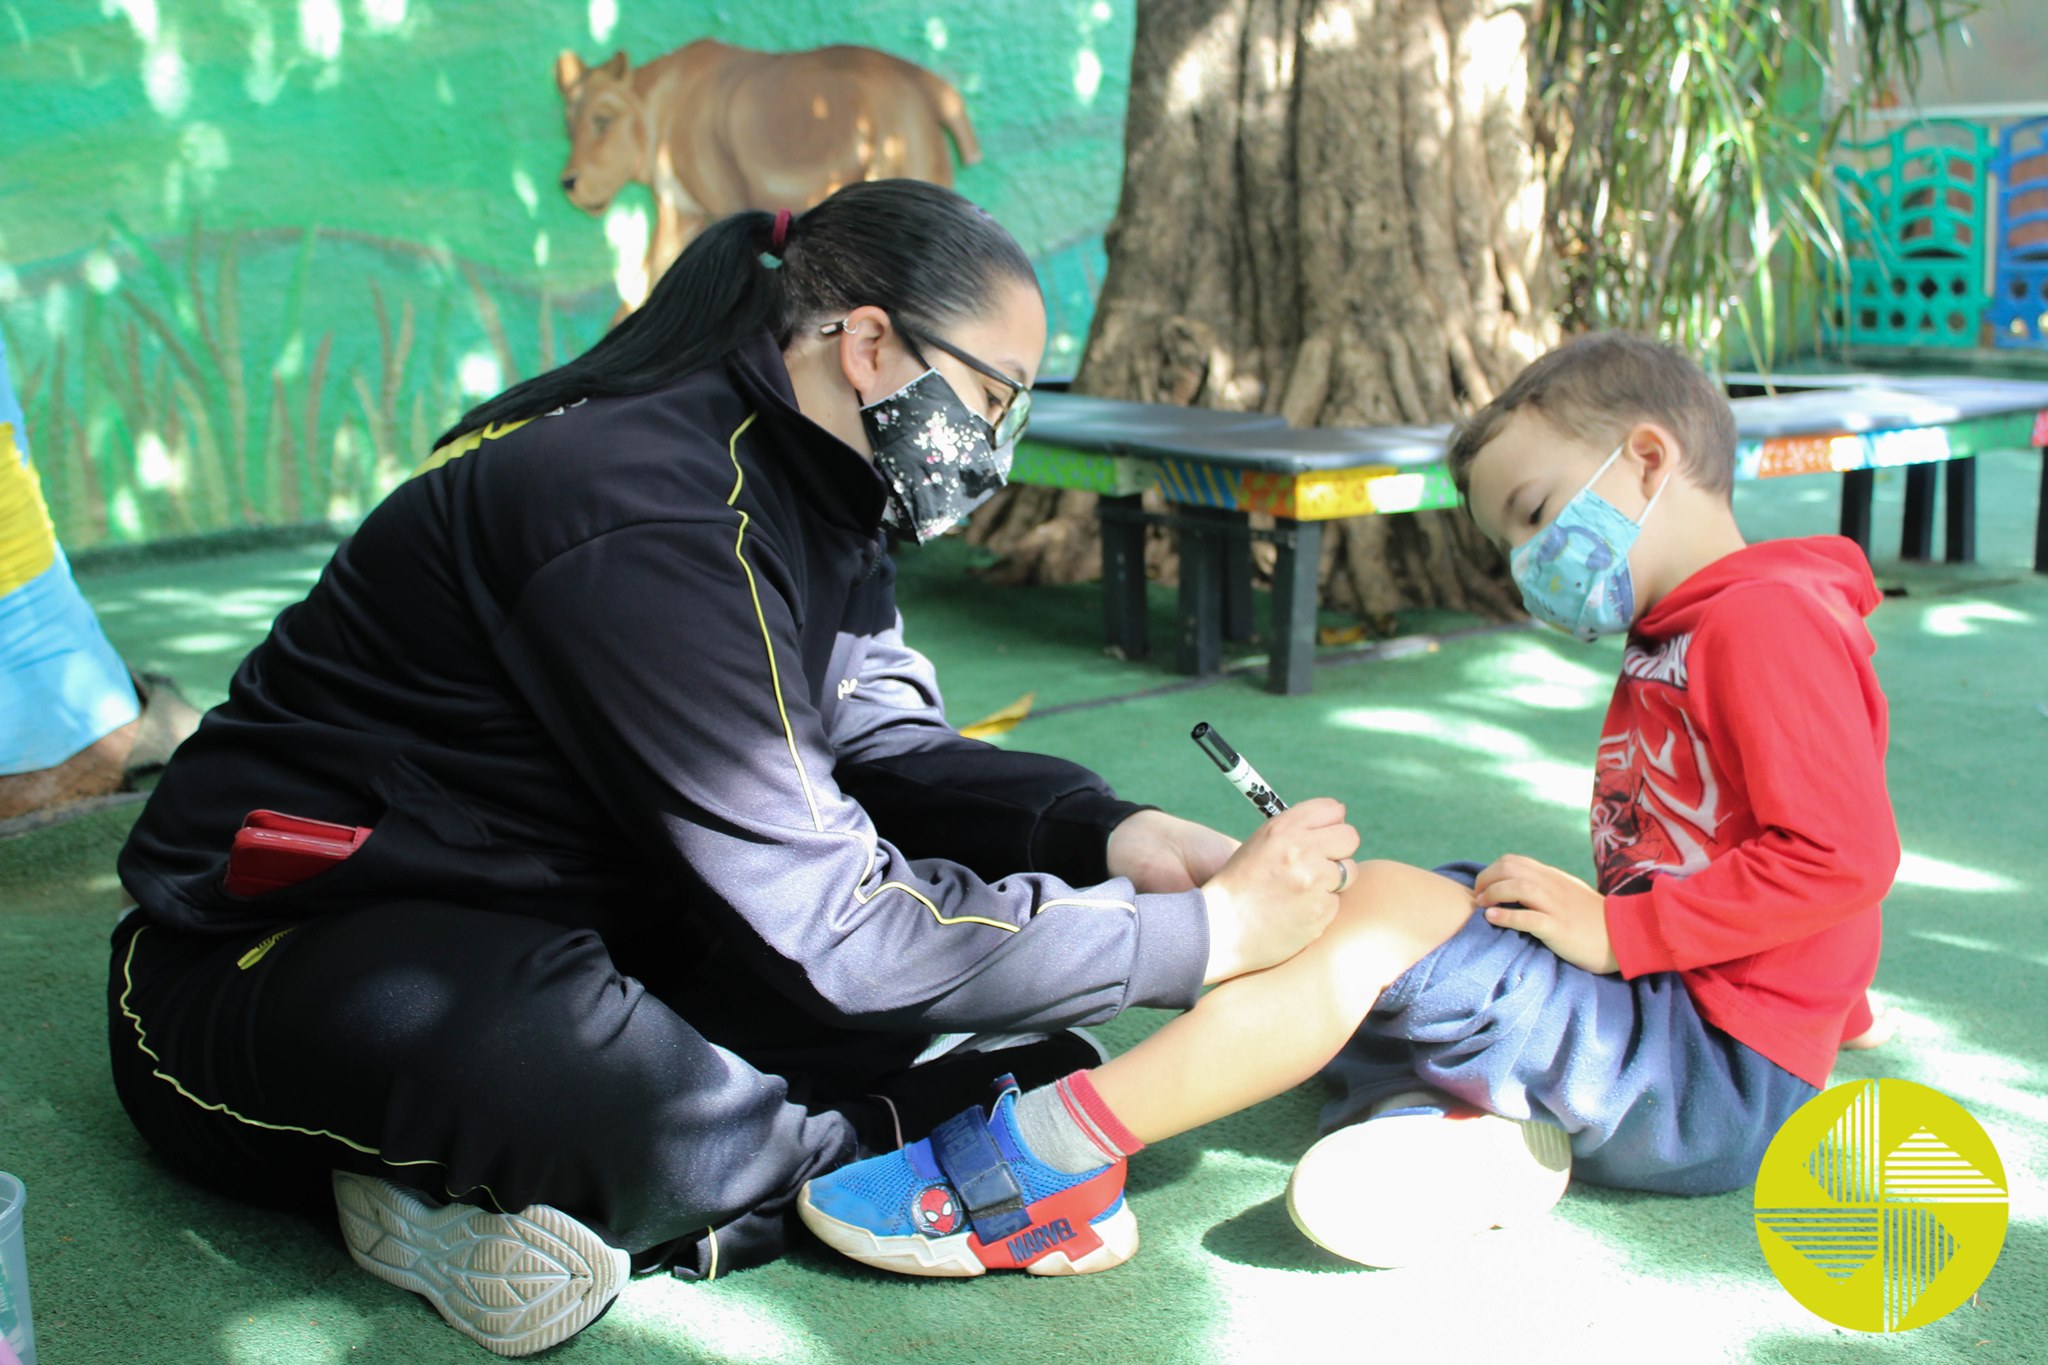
<point x="1343" y="877"/>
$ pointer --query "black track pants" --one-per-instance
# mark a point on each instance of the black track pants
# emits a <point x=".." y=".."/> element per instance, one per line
<point x="496" y="1059"/>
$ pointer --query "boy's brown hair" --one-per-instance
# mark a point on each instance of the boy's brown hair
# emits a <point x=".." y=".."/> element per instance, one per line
<point x="1595" y="387"/>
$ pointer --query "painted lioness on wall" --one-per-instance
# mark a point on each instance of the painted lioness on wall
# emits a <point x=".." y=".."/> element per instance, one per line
<point x="715" y="129"/>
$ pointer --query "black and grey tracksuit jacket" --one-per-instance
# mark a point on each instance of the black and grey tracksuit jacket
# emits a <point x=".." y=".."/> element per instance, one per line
<point x="637" y="666"/>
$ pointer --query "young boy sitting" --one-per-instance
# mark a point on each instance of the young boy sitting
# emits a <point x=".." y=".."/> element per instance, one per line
<point x="1495" y="1029"/>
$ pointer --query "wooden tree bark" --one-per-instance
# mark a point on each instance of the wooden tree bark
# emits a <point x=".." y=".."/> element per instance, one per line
<point x="1332" y="209"/>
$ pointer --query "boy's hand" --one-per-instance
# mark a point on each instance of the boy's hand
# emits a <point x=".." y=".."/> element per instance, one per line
<point x="1161" y="852"/>
<point x="1556" y="907"/>
<point x="1279" y="891"/>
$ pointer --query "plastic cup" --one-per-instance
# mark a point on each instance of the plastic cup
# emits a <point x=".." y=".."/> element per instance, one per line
<point x="17" y="1331"/>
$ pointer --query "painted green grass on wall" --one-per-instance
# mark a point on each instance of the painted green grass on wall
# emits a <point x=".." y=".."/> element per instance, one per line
<point x="211" y="389"/>
<point x="221" y="380"/>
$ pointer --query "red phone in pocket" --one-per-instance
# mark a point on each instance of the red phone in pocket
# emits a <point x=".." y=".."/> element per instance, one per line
<point x="273" y="850"/>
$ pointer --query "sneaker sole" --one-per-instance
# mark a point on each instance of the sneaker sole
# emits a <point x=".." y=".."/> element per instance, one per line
<point x="953" y="1257"/>
<point x="1409" y="1188"/>
<point x="514" y="1283"/>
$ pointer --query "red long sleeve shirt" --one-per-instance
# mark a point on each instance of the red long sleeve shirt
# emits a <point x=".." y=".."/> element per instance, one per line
<point x="1741" y="827"/>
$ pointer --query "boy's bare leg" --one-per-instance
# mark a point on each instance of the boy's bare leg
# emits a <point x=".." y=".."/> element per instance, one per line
<point x="1266" y="1032"/>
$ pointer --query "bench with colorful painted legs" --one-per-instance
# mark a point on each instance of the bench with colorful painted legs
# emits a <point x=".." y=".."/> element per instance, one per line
<point x="1216" y="470"/>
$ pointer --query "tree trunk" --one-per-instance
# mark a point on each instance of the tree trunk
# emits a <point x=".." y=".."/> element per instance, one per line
<point x="1333" y="210"/>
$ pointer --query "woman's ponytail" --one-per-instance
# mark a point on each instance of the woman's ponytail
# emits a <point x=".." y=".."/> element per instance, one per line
<point x="718" y="293"/>
<point x="922" y="252"/>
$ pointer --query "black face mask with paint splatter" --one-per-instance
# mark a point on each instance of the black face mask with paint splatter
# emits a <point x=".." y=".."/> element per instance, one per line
<point x="939" y="460"/>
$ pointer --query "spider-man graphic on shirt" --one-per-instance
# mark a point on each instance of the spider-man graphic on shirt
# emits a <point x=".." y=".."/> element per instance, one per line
<point x="1656" y="795"/>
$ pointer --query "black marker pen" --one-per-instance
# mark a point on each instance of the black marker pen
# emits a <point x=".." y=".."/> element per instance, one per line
<point x="1241" y="773"/>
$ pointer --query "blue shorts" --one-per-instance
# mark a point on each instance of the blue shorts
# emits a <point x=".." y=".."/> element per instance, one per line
<point x="1653" y="1096"/>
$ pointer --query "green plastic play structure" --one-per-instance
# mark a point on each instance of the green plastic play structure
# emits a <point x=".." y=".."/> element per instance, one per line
<point x="1913" y="215"/>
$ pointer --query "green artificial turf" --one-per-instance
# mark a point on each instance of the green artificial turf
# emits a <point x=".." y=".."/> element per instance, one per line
<point x="1469" y="749"/>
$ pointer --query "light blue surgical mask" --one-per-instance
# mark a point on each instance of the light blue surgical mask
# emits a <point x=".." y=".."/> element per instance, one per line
<point x="1574" y="572"/>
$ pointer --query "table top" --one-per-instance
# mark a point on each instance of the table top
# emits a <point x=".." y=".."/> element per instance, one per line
<point x="1261" y="442"/>
<point x="1113" y="425"/>
<point x="1302" y="450"/>
<point x="1887" y="379"/>
<point x="1894" y="405"/>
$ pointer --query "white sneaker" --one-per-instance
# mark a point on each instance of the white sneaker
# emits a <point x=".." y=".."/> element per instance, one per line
<point x="515" y="1282"/>
<point x="1422" y="1176"/>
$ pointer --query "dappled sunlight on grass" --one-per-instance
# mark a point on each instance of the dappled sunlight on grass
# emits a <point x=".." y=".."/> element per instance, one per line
<point x="196" y="619"/>
<point x="747" y="1319"/>
<point x="256" y="605"/>
<point x="1457" y="732"/>
<point x="1407" y="769"/>
<point x="1917" y="869"/>
<point x="1676" y="1262"/>
<point x="1253" y="1305"/>
<point x="1971" y="943"/>
<point x="2006" y="1094"/>
<point x="1514" y="756"/>
<point x="312" y="1330"/>
<point x="1528" y="673"/>
<point x="242" y="603"/>
<point x="1559" y="784"/>
<point x="1963" y="618"/>
<point x="209" y="642"/>
<point x="1275" y="1303"/>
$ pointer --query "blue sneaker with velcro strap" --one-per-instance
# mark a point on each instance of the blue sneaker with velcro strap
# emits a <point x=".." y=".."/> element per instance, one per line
<point x="969" y="1199"/>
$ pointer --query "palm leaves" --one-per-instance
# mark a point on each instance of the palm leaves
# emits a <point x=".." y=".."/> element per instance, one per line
<point x="1688" y="145"/>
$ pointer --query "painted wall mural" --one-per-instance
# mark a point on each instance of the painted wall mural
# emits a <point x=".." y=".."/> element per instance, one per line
<point x="256" y="254"/>
<point x="713" y="129"/>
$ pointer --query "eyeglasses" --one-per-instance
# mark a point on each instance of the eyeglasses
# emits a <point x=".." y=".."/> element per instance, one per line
<point x="1009" y="423"/>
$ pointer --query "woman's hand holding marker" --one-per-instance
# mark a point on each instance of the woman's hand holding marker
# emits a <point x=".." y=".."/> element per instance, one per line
<point x="1279" y="891"/>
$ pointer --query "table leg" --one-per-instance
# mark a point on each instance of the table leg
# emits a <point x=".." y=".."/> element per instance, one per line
<point x="1237" y="581"/>
<point x="1916" y="535"/>
<point x="1858" y="488"/>
<point x="1291" y="672"/>
<point x="1124" y="614"/>
<point x="1203" y="533"/>
<point x="2041" y="519"/>
<point x="1961" y="535"/>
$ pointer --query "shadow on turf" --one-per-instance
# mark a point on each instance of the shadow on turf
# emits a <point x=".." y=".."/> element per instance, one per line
<point x="1265" y="1238"/>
